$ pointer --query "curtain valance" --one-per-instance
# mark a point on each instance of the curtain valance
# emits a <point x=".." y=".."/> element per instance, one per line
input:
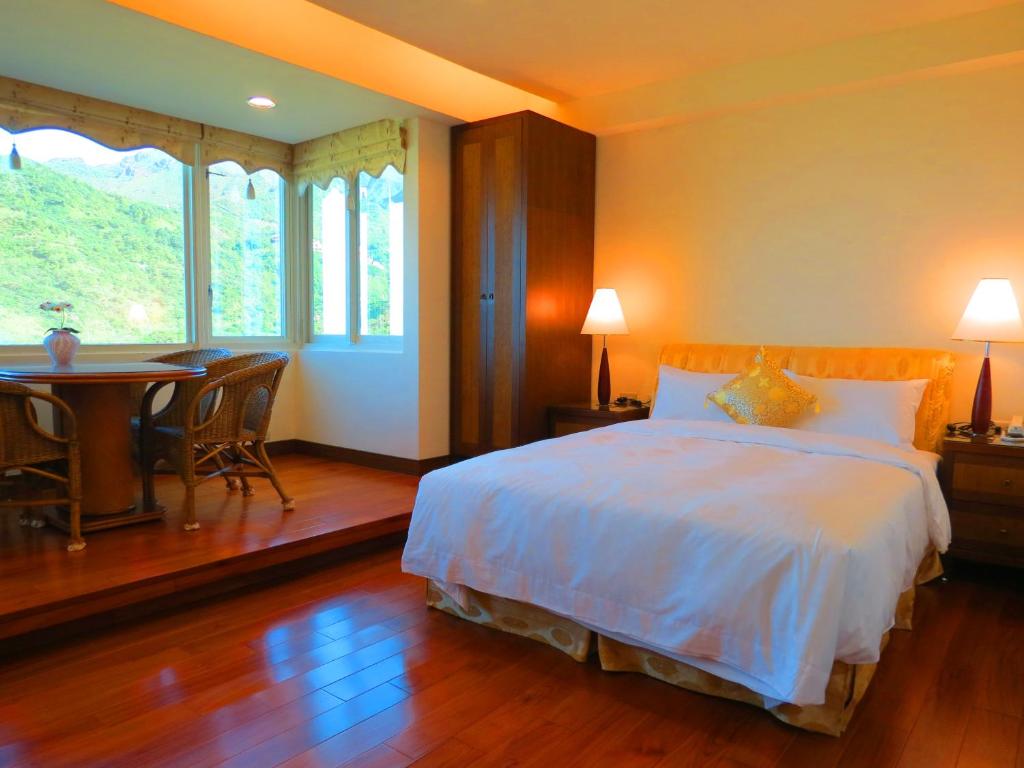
<point x="251" y="152"/>
<point x="25" y="106"/>
<point x="370" y="148"/>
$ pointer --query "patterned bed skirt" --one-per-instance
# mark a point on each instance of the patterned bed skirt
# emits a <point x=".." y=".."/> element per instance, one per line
<point x="846" y="686"/>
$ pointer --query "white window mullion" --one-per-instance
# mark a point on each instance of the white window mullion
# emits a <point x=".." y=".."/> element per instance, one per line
<point x="298" y="265"/>
<point x="201" y="251"/>
<point x="188" y="227"/>
<point x="354" y="272"/>
<point x="286" y="212"/>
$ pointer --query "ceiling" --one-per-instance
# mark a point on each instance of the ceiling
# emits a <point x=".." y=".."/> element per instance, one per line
<point x="570" y="49"/>
<point x="139" y="61"/>
<point x="334" y="64"/>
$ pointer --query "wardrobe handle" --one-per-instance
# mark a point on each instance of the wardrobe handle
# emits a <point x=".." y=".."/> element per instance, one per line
<point x="483" y="296"/>
<point x="490" y="296"/>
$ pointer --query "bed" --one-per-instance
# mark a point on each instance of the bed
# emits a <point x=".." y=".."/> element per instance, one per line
<point x="761" y="564"/>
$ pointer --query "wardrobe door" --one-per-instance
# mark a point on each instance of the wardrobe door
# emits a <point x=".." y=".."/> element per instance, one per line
<point x="470" y="290"/>
<point x="505" y="263"/>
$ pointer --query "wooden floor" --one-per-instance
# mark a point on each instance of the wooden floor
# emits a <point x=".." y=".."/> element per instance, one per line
<point x="346" y="666"/>
<point x="337" y="504"/>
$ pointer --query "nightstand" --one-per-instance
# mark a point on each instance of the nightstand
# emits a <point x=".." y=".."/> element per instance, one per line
<point x="579" y="417"/>
<point x="983" y="480"/>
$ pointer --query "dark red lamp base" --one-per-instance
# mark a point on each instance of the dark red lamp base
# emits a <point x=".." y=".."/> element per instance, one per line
<point x="981" y="414"/>
<point x="604" y="380"/>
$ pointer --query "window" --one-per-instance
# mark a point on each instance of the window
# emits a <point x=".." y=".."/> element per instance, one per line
<point x="328" y="246"/>
<point x="246" y="243"/>
<point x="374" y="293"/>
<point x="100" y="228"/>
<point x="381" y="208"/>
<point x="111" y="231"/>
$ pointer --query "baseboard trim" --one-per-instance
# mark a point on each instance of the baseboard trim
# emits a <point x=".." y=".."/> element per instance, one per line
<point x="417" y="467"/>
<point x="281" y="447"/>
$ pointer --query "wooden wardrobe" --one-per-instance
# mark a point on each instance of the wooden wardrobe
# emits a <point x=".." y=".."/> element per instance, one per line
<point x="522" y="277"/>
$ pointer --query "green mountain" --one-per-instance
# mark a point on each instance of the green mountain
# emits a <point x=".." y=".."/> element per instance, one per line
<point x="62" y="239"/>
<point x="141" y="176"/>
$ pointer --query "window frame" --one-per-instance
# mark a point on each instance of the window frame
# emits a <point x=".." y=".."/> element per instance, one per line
<point x="352" y="340"/>
<point x="36" y="351"/>
<point x="328" y="340"/>
<point x="285" y="250"/>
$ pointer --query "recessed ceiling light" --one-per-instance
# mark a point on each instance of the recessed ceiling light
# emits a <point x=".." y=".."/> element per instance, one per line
<point x="261" y="102"/>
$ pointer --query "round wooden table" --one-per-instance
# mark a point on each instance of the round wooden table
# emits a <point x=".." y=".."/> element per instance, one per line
<point x="99" y="394"/>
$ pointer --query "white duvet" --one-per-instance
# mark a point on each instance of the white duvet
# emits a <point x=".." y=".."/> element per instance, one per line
<point x="758" y="554"/>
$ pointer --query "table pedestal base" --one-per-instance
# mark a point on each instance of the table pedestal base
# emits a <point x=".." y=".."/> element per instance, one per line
<point x="103" y="413"/>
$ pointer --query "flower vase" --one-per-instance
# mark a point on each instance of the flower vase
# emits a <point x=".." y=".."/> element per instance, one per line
<point x="61" y="346"/>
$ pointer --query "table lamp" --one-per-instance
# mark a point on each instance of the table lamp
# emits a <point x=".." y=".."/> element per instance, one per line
<point x="604" y="317"/>
<point x="991" y="315"/>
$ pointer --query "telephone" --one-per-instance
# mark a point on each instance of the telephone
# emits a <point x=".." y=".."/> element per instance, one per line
<point x="1015" y="432"/>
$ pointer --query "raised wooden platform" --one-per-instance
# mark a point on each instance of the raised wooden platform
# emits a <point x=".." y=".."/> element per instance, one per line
<point x="337" y="505"/>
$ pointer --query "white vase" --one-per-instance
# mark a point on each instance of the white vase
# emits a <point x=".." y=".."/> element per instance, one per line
<point x="61" y="346"/>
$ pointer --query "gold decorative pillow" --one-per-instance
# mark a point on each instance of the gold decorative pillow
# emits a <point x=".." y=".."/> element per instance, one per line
<point x="762" y="394"/>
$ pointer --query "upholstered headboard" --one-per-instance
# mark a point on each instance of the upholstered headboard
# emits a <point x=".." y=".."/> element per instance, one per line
<point x="839" y="363"/>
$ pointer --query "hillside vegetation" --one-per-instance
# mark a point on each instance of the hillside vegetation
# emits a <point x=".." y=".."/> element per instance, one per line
<point x="63" y="239"/>
<point x="109" y="238"/>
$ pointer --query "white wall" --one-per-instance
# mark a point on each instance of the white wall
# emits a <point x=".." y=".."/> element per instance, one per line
<point x="284" y="423"/>
<point x="434" y="211"/>
<point x="861" y="218"/>
<point x="395" y="402"/>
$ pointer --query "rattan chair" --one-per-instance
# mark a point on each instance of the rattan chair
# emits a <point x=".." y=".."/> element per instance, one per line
<point x="220" y="430"/>
<point x="194" y="357"/>
<point x="39" y="455"/>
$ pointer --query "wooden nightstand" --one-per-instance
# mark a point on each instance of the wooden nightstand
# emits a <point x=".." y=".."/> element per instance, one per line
<point x="579" y="417"/>
<point x="984" y="485"/>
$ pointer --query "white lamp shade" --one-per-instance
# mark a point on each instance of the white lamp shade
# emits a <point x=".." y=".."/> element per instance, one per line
<point x="605" y="315"/>
<point x="992" y="314"/>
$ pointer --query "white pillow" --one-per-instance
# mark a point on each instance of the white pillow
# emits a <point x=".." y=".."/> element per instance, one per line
<point x="880" y="410"/>
<point x="682" y="394"/>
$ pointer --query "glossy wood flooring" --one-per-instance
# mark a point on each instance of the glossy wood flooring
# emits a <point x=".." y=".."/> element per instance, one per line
<point x="346" y="666"/>
<point x="336" y="504"/>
